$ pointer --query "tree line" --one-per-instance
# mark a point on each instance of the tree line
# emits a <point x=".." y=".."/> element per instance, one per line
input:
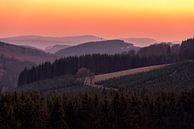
<point x="99" y="64"/>
<point x="96" y="63"/>
<point x="103" y="110"/>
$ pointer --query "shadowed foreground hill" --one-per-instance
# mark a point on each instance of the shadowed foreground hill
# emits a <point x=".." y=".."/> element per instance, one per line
<point x="180" y="75"/>
<point x="70" y="83"/>
<point x="100" y="47"/>
<point x="146" y="109"/>
<point x="62" y="83"/>
<point x="98" y="64"/>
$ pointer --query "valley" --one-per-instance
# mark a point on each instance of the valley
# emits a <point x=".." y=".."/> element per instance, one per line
<point x="95" y="78"/>
<point x="96" y="64"/>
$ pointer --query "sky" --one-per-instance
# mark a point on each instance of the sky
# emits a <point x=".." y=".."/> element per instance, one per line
<point x="165" y="20"/>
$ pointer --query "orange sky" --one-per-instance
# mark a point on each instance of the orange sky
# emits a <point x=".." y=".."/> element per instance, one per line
<point x="159" y="19"/>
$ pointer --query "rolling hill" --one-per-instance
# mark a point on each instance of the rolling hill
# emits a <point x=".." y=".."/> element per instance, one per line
<point x="24" y="53"/>
<point x="155" y="50"/>
<point x="55" y="48"/>
<point x="99" y="47"/>
<point x="43" y="42"/>
<point x="160" y="49"/>
<point x="9" y="71"/>
<point x="180" y="75"/>
<point x="140" y="42"/>
<point x="107" y="76"/>
<point x="14" y="58"/>
<point x="68" y="83"/>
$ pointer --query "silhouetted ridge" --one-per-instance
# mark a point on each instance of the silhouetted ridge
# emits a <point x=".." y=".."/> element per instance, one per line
<point x="187" y="49"/>
<point x="99" y="47"/>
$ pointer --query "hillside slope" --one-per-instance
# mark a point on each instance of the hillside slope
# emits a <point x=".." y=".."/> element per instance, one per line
<point x="55" y="48"/>
<point x="127" y="72"/>
<point x="66" y="83"/>
<point x="180" y="75"/>
<point x="140" y="42"/>
<point x="24" y="53"/>
<point x="101" y="47"/>
<point x="59" y="84"/>
<point x="9" y="71"/>
<point x="155" y="50"/>
<point x="14" y="58"/>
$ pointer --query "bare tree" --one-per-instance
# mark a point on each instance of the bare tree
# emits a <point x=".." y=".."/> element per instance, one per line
<point x="85" y="76"/>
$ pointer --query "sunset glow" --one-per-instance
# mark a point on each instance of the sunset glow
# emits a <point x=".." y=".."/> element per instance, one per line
<point x="160" y="19"/>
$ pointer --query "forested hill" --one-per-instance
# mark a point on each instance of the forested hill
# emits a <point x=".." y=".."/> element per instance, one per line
<point x="180" y="75"/>
<point x="98" y="47"/>
<point x="13" y="59"/>
<point x="187" y="50"/>
<point x="159" y="49"/>
<point x="22" y="53"/>
<point x="100" y="64"/>
<point x="98" y="110"/>
<point x="9" y="71"/>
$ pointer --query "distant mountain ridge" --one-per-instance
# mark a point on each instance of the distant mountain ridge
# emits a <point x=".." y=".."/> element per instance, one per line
<point x="42" y="42"/>
<point x="24" y="53"/>
<point x="140" y="42"/>
<point x="98" y="47"/>
<point x="55" y="48"/>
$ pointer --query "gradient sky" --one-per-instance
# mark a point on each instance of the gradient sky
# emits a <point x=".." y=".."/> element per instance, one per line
<point x="159" y="19"/>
